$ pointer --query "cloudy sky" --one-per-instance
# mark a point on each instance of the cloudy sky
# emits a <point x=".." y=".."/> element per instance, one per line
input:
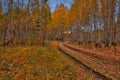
<point x="53" y="3"/>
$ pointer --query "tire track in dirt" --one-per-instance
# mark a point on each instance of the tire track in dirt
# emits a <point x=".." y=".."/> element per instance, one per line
<point x="117" y="62"/>
<point x="82" y="62"/>
<point x="109" y="67"/>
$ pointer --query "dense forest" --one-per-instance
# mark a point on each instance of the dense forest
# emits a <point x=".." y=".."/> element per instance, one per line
<point x="87" y="21"/>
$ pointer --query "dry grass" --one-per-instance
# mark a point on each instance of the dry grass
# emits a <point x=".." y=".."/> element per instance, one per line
<point x="37" y="63"/>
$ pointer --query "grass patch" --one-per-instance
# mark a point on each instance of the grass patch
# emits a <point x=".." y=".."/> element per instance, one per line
<point x="34" y="63"/>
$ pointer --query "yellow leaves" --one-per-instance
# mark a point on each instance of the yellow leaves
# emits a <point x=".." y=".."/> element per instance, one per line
<point x="80" y="10"/>
<point x="60" y="17"/>
<point x="49" y="26"/>
<point x="94" y="5"/>
<point x="34" y="17"/>
<point x="73" y="13"/>
<point x="107" y="7"/>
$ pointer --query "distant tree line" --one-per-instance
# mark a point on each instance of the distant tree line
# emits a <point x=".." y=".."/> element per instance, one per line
<point x="95" y="21"/>
<point x="86" y="22"/>
<point x="89" y="21"/>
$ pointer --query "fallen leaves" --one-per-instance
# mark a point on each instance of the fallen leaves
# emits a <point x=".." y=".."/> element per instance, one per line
<point x="34" y="63"/>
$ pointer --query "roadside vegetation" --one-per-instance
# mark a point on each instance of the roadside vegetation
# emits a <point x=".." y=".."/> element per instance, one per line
<point x="38" y="63"/>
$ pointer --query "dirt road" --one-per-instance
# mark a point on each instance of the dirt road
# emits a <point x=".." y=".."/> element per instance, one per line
<point x="105" y="69"/>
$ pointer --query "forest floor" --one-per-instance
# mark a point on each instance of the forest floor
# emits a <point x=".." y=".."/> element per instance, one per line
<point x="39" y="63"/>
<point x="105" y="61"/>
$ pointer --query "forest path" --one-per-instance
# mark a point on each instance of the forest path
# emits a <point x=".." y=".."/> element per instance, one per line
<point x="107" y="70"/>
